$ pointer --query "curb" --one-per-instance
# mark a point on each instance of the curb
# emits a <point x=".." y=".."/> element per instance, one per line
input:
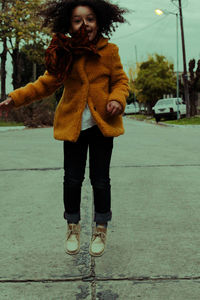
<point x="165" y="124"/>
<point x="8" y="128"/>
<point x="179" y="126"/>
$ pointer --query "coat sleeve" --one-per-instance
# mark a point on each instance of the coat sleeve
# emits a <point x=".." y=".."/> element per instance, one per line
<point x="119" y="88"/>
<point x="44" y="86"/>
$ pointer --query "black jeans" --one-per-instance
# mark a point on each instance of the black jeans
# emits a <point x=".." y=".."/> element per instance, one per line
<point x="75" y="156"/>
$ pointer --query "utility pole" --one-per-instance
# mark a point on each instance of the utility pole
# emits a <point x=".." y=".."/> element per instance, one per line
<point x="185" y="76"/>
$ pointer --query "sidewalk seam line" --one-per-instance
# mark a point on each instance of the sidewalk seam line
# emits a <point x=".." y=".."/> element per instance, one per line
<point x="94" y="279"/>
<point x="126" y="166"/>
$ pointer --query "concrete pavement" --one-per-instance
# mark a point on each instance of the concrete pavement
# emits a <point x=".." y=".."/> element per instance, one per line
<point x="152" y="249"/>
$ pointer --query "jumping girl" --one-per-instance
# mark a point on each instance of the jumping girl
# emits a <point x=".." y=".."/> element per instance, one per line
<point x="89" y="114"/>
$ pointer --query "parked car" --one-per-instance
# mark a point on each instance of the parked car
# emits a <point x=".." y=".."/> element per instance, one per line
<point x="167" y="108"/>
<point x="132" y="108"/>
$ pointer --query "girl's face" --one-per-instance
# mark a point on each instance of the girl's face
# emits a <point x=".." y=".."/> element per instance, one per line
<point x="84" y="14"/>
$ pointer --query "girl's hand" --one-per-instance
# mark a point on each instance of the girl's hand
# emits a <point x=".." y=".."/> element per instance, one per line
<point x="114" y="108"/>
<point x="6" y="105"/>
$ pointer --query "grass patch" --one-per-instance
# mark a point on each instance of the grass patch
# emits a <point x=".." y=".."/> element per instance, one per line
<point x="10" y="124"/>
<point x="184" y="121"/>
<point x="140" y="117"/>
<point x="191" y="121"/>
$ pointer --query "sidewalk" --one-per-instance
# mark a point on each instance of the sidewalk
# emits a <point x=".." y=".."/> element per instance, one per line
<point x="152" y="249"/>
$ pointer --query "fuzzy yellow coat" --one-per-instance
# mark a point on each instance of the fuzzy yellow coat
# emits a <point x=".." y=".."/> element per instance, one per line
<point x="95" y="80"/>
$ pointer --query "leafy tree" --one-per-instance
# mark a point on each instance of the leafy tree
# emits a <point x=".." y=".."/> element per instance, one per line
<point x="21" y="25"/>
<point x="133" y="73"/>
<point x="31" y="62"/>
<point x="155" y="78"/>
<point x="42" y="112"/>
<point x="130" y="98"/>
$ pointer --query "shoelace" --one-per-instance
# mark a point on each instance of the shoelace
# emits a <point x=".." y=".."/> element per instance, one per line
<point x="71" y="231"/>
<point x="100" y="234"/>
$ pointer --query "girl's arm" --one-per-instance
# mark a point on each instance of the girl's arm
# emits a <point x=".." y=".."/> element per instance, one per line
<point x="119" y="88"/>
<point x="44" y="86"/>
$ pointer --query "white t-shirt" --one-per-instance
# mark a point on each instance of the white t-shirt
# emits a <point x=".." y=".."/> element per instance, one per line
<point x="87" y="119"/>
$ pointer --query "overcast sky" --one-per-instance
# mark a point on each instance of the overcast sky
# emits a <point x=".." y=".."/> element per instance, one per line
<point x="149" y="33"/>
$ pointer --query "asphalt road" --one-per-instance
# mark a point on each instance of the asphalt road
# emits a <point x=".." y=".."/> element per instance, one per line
<point x="153" y="244"/>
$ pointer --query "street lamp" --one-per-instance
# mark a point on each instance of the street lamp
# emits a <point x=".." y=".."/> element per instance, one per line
<point x="160" y="12"/>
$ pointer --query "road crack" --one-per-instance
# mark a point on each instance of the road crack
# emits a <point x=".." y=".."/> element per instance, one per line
<point x="124" y="166"/>
<point x="93" y="279"/>
<point x="92" y="267"/>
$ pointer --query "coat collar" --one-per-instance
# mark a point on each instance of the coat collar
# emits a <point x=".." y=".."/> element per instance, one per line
<point x="102" y="42"/>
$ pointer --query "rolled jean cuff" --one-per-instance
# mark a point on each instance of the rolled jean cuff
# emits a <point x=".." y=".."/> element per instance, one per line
<point x="72" y="218"/>
<point x="102" y="217"/>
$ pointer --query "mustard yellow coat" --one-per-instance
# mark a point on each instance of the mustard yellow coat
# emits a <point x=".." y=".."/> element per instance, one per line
<point x="93" y="79"/>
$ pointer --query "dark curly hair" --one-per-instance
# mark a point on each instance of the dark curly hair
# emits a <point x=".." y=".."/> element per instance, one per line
<point x="56" y="14"/>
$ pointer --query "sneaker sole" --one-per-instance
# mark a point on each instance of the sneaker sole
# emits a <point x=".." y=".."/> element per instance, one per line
<point x="96" y="254"/>
<point x="72" y="252"/>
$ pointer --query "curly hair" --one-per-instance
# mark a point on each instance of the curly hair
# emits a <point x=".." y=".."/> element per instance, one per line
<point x="56" y="14"/>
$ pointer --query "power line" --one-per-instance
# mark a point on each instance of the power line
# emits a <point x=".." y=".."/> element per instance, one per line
<point x="142" y="29"/>
<point x="185" y="3"/>
<point x="156" y="38"/>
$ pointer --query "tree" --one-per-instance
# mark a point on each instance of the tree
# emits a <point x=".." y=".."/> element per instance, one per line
<point x="35" y="114"/>
<point x="133" y="71"/>
<point x="21" y="25"/>
<point x="131" y="98"/>
<point x="31" y="62"/>
<point x="194" y="85"/>
<point x="3" y="55"/>
<point x="155" y="78"/>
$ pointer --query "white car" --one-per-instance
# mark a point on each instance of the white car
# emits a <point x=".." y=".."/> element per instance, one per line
<point x="167" y="108"/>
<point x="132" y="108"/>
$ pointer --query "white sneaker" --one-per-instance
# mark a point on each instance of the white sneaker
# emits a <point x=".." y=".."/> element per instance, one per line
<point x="98" y="241"/>
<point x="72" y="245"/>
